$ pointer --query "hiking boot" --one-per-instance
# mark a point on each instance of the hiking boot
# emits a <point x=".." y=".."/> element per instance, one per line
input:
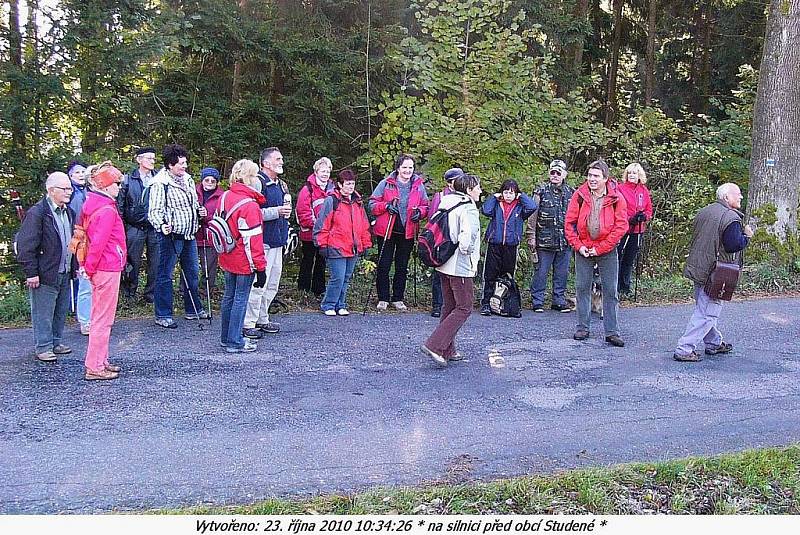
<point x="85" y="329"/>
<point x="486" y="310"/>
<point x="255" y="334"/>
<point x="538" y="308"/>
<point x="724" y="347"/>
<point x="61" y="349"/>
<point x="455" y="357"/>
<point x="330" y="312"/>
<point x="436" y="312"/>
<point x="615" y="340"/>
<point x="343" y="312"/>
<point x="269" y="327"/>
<point x="47" y="356"/>
<point x="113" y="368"/>
<point x="694" y="356"/>
<point x="561" y="308"/>
<point x="581" y="334"/>
<point x="248" y="347"/>
<point x="382" y="305"/>
<point x="437" y="358"/>
<point x="399" y="305"/>
<point x="101" y="375"/>
<point x="202" y="315"/>
<point x="167" y="323"/>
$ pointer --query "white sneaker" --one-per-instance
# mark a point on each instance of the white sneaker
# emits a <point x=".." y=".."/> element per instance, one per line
<point x="85" y="327"/>
<point x="399" y="305"/>
<point x="382" y="305"/>
<point x="329" y="312"/>
<point x="343" y="312"/>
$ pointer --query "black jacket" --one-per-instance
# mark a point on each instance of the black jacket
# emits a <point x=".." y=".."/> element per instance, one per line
<point x="131" y="206"/>
<point x="39" y="243"/>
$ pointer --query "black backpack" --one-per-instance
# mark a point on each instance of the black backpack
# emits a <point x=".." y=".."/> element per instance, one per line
<point x="506" y="299"/>
<point x="434" y="245"/>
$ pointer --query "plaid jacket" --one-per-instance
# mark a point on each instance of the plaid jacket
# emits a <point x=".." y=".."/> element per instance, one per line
<point x="175" y="205"/>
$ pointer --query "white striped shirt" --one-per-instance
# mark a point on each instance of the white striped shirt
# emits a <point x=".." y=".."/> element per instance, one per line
<point x="178" y="209"/>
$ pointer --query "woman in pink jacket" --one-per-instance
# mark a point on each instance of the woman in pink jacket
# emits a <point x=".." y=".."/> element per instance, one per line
<point x="105" y="259"/>
<point x="640" y="211"/>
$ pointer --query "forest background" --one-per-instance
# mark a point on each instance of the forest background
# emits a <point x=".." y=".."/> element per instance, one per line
<point x="498" y="87"/>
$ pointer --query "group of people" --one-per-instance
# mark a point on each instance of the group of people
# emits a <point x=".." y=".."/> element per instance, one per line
<point x="601" y="223"/>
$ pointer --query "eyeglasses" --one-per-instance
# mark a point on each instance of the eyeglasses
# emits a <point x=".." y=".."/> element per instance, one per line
<point x="555" y="172"/>
<point x="65" y="190"/>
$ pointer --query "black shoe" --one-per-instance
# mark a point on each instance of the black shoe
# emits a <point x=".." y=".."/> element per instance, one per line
<point x="255" y="334"/>
<point x="561" y="308"/>
<point x="436" y="313"/>
<point x="615" y="340"/>
<point x="486" y="310"/>
<point x="269" y="328"/>
<point x="581" y="334"/>
<point x="538" y="308"/>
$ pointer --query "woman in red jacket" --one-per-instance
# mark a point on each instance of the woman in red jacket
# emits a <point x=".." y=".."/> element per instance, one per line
<point x="208" y="194"/>
<point x="342" y="235"/>
<point x="595" y="222"/>
<point x="311" y="277"/>
<point x="246" y="261"/>
<point x="640" y="211"/>
<point x="105" y="258"/>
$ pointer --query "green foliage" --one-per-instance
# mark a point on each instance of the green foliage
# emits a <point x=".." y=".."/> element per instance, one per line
<point x="14" y="306"/>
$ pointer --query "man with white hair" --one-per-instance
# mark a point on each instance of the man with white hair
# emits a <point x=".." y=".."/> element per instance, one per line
<point x="42" y="251"/>
<point x="718" y="235"/>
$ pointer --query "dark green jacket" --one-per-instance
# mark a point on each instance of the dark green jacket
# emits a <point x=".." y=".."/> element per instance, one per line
<point x="706" y="248"/>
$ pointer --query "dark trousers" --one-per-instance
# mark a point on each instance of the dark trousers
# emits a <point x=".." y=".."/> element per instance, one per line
<point x="457" y="296"/>
<point x="209" y="263"/>
<point x="436" y="291"/>
<point x="49" y="306"/>
<point x="500" y="259"/>
<point x="628" y="250"/>
<point x="398" y="249"/>
<point x="137" y="239"/>
<point x="311" y="277"/>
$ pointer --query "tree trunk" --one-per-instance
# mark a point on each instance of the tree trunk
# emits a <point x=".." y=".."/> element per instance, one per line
<point x="573" y="52"/>
<point x="32" y="67"/>
<point x="776" y="120"/>
<point x="237" y="65"/>
<point x="650" y="57"/>
<point x="611" y="93"/>
<point x="18" y="126"/>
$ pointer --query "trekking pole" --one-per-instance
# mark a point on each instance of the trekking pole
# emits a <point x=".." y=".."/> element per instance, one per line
<point x="380" y="255"/>
<point x="416" y="263"/>
<point x="185" y="281"/>
<point x="638" y="264"/>
<point x="208" y="286"/>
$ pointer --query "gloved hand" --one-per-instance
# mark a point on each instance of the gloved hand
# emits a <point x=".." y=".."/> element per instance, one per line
<point x="416" y="214"/>
<point x="640" y="217"/>
<point x="392" y="208"/>
<point x="261" y="279"/>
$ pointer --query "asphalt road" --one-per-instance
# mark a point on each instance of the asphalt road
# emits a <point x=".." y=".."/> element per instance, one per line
<point x="342" y="404"/>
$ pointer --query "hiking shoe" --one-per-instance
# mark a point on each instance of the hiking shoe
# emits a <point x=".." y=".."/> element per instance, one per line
<point x="330" y="312"/>
<point x="615" y="340"/>
<point x="382" y="305"/>
<point x="437" y="358"/>
<point x="202" y="315"/>
<point x="694" y="356"/>
<point x="561" y="308"/>
<point x="269" y="327"/>
<point x="248" y="347"/>
<point x="47" y="356"/>
<point x="167" y="323"/>
<point x="61" y="349"/>
<point x="436" y="312"/>
<point x="255" y="334"/>
<point x="581" y="334"/>
<point x="724" y="347"/>
<point x="486" y="310"/>
<point x="399" y="305"/>
<point x="538" y="308"/>
<point x="343" y="312"/>
<point x="455" y="357"/>
<point x="85" y="329"/>
<point x="113" y="368"/>
<point x="100" y="375"/>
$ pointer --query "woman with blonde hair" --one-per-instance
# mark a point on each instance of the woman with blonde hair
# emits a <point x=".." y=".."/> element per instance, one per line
<point x="310" y="198"/>
<point x="640" y="211"/>
<point x="240" y="208"/>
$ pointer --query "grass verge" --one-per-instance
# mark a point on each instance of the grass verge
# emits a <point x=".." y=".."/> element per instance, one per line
<point x="765" y="481"/>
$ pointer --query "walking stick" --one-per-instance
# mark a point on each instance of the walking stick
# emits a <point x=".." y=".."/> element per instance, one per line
<point x="208" y="286"/>
<point x="638" y="265"/>
<point x="416" y="263"/>
<point x="380" y="255"/>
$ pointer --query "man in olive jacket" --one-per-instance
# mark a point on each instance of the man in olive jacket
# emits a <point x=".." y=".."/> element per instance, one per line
<point x="718" y="235"/>
<point x="48" y="265"/>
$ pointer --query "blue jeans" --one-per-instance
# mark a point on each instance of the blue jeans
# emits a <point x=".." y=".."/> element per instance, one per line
<point x="234" y="307"/>
<point x="559" y="261"/>
<point x="49" y="307"/>
<point x="174" y="249"/>
<point x="340" y="272"/>
<point x="584" y="276"/>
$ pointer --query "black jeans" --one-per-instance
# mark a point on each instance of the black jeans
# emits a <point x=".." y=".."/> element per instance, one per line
<point x="436" y="291"/>
<point x="627" y="250"/>
<point x="136" y="239"/>
<point x="500" y="259"/>
<point x="398" y="249"/>
<point x="311" y="277"/>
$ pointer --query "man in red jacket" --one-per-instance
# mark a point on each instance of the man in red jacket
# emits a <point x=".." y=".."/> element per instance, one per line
<point x="595" y="223"/>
